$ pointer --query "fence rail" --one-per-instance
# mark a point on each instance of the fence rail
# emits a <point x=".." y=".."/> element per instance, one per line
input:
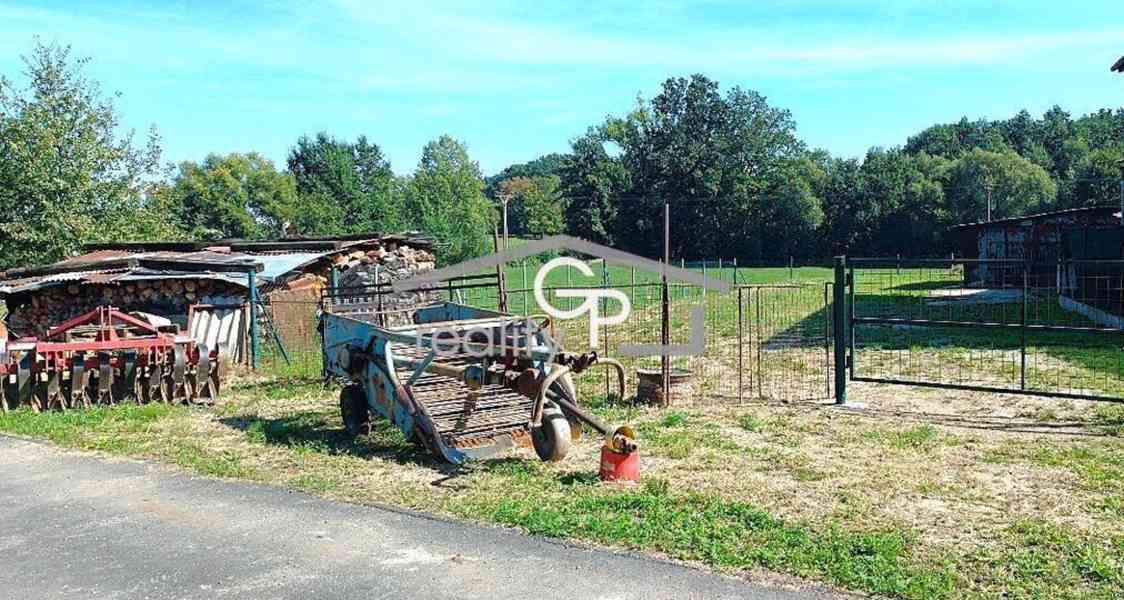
<point x="993" y="325"/>
<point x="800" y="332"/>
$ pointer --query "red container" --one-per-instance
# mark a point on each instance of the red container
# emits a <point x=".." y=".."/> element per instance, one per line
<point x="616" y="466"/>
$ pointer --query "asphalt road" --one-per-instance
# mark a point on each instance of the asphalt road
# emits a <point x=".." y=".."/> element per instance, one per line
<point x="81" y="526"/>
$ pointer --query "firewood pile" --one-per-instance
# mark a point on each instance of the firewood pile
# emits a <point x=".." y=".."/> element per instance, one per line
<point x="392" y="263"/>
<point x="51" y="306"/>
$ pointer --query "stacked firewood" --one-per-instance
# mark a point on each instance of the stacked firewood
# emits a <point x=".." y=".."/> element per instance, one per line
<point x="393" y="262"/>
<point x="51" y="306"/>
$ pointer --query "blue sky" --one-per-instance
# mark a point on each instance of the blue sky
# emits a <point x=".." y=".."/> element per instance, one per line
<point x="516" y="80"/>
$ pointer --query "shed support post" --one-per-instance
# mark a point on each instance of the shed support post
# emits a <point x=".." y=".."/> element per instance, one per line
<point x="253" y="319"/>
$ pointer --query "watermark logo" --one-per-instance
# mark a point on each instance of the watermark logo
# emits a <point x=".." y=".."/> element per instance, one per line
<point x="592" y="298"/>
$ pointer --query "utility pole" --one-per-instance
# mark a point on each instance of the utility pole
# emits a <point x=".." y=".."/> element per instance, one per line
<point x="504" y="198"/>
<point x="987" y="189"/>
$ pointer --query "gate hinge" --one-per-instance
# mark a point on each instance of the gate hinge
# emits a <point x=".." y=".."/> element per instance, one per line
<point x="849" y="279"/>
<point x="849" y="361"/>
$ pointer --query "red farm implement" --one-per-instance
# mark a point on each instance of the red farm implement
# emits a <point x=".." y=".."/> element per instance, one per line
<point x="104" y="357"/>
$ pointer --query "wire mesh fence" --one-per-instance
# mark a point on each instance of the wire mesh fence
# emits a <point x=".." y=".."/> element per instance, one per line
<point x="768" y="338"/>
<point x="1052" y="328"/>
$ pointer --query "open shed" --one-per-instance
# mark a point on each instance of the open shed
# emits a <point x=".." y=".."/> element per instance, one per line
<point x="202" y="286"/>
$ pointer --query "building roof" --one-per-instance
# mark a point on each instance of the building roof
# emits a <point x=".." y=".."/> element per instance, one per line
<point x="226" y="260"/>
<point x="1069" y="212"/>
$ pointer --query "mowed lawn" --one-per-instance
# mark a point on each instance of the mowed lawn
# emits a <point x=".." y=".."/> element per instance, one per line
<point x="899" y="500"/>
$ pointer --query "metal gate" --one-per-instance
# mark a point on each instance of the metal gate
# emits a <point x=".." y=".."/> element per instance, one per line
<point x="1002" y="325"/>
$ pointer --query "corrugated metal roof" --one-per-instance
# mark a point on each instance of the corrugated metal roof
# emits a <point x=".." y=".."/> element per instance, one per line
<point x="277" y="265"/>
<point x="133" y="262"/>
<point x="1104" y="210"/>
<point x="26" y="284"/>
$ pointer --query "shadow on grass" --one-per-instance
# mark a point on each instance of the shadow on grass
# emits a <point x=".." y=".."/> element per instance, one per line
<point x="1108" y="422"/>
<point x="311" y="431"/>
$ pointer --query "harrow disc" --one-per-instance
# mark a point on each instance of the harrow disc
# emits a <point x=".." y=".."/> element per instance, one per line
<point x="79" y="382"/>
<point x="126" y="388"/>
<point x="176" y="380"/>
<point x="25" y="384"/>
<point x="4" y="385"/>
<point x="154" y="388"/>
<point x="53" y="392"/>
<point x="104" y="389"/>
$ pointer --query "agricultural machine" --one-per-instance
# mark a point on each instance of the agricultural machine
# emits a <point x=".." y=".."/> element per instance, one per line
<point x="104" y="357"/>
<point x="464" y="382"/>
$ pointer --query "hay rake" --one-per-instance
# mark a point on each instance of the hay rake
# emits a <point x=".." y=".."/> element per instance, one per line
<point x="106" y="357"/>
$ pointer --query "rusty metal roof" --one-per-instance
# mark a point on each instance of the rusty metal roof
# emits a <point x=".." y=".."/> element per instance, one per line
<point x="227" y="260"/>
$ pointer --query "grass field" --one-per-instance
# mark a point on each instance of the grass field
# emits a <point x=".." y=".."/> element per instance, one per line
<point x="899" y="500"/>
<point x="924" y="493"/>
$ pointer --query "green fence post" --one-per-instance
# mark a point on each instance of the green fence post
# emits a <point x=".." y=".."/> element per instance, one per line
<point x="253" y="320"/>
<point x="839" y="326"/>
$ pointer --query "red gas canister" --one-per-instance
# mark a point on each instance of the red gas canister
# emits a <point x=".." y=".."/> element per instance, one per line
<point x="620" y="459"/>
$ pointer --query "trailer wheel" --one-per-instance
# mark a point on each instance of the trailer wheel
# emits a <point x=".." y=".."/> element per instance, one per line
<point x="552" y="439"/>
<point x="353" y="411"/>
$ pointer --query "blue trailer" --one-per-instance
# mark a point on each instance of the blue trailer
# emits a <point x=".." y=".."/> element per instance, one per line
<point x="464" y="382"/>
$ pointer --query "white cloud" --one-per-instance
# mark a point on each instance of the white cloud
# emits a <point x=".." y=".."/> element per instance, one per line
<point x="468" y="37"/>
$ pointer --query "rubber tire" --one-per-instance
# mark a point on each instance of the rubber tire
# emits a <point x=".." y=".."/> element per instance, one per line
<point x="565" y="387"/>
<point x="354" y="412"/>
<point x="552" y="439"/>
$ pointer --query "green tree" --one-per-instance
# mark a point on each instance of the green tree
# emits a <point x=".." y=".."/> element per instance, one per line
<point x="535" y="203"/>
<point x="231" y="196"/>
<point x="1017" y="186"/>
<point x="591" y="183"/>
<point x="346" y="187"/>
<point x="445" y="199"/>
<point x="1098" y="178"/>
<point x="543" y="166"/>
<point x="64" y="166"/>
<point x="715" y="157"/>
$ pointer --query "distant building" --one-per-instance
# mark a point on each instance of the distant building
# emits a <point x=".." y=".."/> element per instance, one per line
<point x="1040" y="239"/>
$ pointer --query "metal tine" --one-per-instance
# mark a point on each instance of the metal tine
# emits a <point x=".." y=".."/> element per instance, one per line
<point x="79" y="381"/>
<point x="202" y="387"/>
<point x="105" y="378"/>
<point x="25" y="384"/>
<point x="179" y="375"/>
<point x="155" y="384"/>
<point x="54" y="390"/>
<point x="4" y="381"/>
<point x="127" y="390"/>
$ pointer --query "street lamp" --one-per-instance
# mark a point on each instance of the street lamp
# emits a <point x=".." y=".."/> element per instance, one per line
<point x="1119" y="66"/>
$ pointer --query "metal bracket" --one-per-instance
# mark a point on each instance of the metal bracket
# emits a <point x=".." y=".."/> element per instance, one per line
<point x="422" y="366"/>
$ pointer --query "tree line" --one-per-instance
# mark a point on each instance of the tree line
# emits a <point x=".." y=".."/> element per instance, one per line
<point x="69" y="176"/>
<point x="740" y="183"/>
<point x="739" y="180"/>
